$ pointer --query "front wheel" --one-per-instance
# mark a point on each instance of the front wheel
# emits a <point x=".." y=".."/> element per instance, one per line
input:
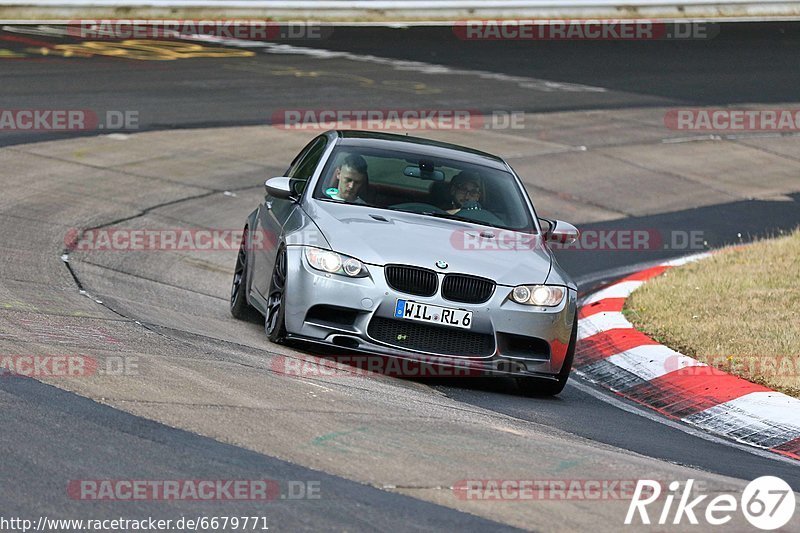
<point x="275" y="319"/>
<point x="543" y="387"/>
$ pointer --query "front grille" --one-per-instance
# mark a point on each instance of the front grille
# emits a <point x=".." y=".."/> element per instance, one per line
<point x="467" y="289"/>
<point x="432" y="339"/>
<point x="411" y="280"/>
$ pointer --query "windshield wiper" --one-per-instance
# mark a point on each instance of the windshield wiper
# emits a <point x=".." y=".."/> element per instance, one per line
<point x="443" y="214"/>
<point x="448" y="216"/>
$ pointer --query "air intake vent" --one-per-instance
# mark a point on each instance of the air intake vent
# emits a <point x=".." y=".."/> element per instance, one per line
<point x="431" y="339"/>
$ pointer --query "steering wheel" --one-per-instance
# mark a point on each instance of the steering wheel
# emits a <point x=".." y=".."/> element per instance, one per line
<point x="471" y="205"/>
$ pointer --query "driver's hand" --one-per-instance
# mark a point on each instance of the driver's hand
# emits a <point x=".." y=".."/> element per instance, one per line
<point x="471" y="204"/>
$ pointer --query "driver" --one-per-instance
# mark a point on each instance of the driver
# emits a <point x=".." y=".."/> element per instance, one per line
<point x="465" y="192"/>
<point x="351" y="178"/>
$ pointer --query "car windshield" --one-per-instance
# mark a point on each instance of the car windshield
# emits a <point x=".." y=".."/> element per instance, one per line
<point x="426" y="185"/>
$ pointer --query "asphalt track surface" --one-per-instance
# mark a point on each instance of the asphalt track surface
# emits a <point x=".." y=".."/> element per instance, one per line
<point x="70" y="432"/>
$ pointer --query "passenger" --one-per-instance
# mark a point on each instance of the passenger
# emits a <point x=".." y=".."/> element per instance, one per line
<point x="350" y="180"/>
<point x="465" y="192"/>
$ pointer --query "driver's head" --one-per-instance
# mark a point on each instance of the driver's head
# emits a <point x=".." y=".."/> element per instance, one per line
<point x="351" y="177"/>
<point x="464" y="187"/>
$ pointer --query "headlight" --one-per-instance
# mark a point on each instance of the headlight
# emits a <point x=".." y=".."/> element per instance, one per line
<point x="334" y="263"/>
<point x="542" y="295"/>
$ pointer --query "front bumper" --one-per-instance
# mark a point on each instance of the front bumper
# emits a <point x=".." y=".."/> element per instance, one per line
<point x="519" y="339"/>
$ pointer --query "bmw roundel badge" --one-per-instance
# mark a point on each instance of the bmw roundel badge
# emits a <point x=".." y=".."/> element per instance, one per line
<point x="441" y="264"/>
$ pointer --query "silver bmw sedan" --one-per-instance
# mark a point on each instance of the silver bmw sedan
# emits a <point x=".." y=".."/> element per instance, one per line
<point x="414" y="249"/>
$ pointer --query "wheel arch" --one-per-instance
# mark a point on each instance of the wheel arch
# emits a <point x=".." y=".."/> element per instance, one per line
<point x="249" y="224"/>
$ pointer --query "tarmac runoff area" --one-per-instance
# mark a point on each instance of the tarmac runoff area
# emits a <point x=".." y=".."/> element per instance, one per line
<point x="198" y="369"/>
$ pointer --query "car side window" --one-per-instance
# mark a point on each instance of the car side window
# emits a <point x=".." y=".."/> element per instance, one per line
<point x="306" y="164"/>
<point x="300" y="156"/>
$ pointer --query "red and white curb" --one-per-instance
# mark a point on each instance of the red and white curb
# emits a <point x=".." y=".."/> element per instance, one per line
<point x="614" y="354"/>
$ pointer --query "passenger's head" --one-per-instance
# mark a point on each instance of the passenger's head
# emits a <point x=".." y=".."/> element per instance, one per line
<point x="465" y="187"/>
<point x="351" y="177"/>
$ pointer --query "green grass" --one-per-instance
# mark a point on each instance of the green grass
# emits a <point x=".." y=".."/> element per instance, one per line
<point x="738" y="311"/>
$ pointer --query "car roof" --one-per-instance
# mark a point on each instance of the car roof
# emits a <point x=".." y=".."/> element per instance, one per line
<point x="418" y="145"/>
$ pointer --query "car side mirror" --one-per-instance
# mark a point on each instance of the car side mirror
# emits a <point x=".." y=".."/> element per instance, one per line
<point x="280" y="187"/>
<point x="559" y="231"/>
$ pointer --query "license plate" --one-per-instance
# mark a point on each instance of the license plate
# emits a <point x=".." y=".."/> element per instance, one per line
<point x="433" y="314"/>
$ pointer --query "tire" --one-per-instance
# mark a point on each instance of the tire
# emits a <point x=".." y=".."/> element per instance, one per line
<point x="545" y="387"/>
<point x="275" y="319"/>
<point x="239" y="307"/>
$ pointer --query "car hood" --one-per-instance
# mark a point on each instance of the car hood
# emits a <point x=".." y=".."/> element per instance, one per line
<point x="380" y="236"/>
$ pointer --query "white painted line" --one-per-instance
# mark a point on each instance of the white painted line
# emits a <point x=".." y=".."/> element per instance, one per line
<point x="613" y="273"/>
<point x="602" y="322"/>
<point x="764" y="419"/>
<point x="651" y="361"/>
<point x="533" y="84"/>
<point x="617" y="290"/>
<point x="524" y="82"/>
<point x="687" y="259"/>
<point x="772" y="407"/>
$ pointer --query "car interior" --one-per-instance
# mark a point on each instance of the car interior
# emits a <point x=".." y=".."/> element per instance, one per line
<point x="394" y="184"/>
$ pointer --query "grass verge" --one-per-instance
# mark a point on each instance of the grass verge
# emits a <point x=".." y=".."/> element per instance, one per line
<point x="738" y="311"/>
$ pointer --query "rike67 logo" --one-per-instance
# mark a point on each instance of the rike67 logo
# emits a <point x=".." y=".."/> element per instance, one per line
<point x="767" y="503"/>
